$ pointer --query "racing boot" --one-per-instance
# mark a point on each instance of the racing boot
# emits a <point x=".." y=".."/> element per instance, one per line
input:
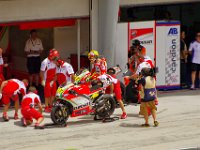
<point x="16" y="116"/>
<point x="5" y="117"/>
<point x="37" y="126"/>
<point x="124" y="115"/>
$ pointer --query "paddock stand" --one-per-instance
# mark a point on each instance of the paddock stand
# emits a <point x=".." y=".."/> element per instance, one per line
<point x="53" y="125"/>
<point x="106" y="119"/>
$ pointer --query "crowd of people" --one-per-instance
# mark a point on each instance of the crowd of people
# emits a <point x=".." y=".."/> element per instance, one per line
<point x="53" y="72"/>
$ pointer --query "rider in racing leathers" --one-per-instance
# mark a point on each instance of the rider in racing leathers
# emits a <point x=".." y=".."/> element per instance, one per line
<point x="99" y="65"/>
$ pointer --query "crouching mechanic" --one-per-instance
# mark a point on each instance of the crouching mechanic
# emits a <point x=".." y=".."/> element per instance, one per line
<point x="65" y="72"/>
<point x="113" y="86"/>
<point x="10" y="90"/>
<point x="148" y="95"/>
<point x="99" y="65"/>
<point x="48" y="78"/>
<point x="28" y="110"/>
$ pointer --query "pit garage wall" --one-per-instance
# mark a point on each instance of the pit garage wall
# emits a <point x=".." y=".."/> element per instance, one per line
<point x="21" y="10"/>
<point x="62" y="38"/>
<point x="152" y="2"/>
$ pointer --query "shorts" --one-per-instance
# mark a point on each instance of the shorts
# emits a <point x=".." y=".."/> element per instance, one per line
<point x="195" y="67"/>
<point x="6" y="98"/>
<point x="33" y="65"/>
<point x="147" y="105"/>
<point x="118" y="91"/>
<point x="48" y="90"/>
<point x="30" y="113"/>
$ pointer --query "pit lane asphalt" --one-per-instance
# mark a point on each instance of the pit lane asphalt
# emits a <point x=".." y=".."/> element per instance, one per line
<point x="178" y="114"/>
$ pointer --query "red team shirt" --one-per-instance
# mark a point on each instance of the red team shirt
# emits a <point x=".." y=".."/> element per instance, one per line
<point x="63" y="73"/>
<point x="30" y="99"/>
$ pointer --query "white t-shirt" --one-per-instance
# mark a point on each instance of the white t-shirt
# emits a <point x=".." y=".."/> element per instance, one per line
<point x="34" y="45"/>
<point x="66" y="70"/>
<point x="195" y="48"/>
<point x="107" y="80"/>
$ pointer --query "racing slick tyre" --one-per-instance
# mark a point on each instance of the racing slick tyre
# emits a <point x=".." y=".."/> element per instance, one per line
<point x="60" y="114"/>
<point x="105" y="106"/>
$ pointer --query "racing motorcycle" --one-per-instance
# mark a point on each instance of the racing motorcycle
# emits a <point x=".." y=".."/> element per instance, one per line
<point x="81" y="98"/>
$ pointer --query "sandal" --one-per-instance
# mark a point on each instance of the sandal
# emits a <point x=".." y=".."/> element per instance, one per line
<point x="156" y="123"/>
<point x="145" y="125"/>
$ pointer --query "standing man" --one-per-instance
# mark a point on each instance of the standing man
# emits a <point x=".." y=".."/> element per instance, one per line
<point x="65" y="72"/>
<point x="184" y="54"/>
<point x="33" y="50"/>
<point x="48" y="78"/>
<point x="194" y="50"/>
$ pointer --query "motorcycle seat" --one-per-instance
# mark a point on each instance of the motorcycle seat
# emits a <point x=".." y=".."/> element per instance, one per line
<point x="94" y="87"/>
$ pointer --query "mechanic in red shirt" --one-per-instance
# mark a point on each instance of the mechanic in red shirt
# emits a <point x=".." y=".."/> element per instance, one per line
<point x="48" y="78"/>
<point x="65" y="72"/>
<point x="10" y="90"/>
<point x="28" y="110"/>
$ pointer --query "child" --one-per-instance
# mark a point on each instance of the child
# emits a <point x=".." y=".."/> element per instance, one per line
<point x="148" y="95"/>
<point x="28" y="111"/>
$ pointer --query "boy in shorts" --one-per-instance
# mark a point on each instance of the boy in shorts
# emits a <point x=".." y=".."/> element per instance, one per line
<point x="148" y="95"/>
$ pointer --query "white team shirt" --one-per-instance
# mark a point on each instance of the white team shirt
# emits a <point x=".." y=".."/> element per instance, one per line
<point x="66" y="70"/>
<point x="34" y="45"/>
<point x="34" y="97"/>
<point x="195" y="47"/>
<point x="21" y="86"/>
<point x="47" y="66"/>
<point x="107" y="80"/>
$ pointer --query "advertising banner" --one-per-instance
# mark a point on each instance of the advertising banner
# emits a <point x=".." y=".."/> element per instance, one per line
<point x="145" y="33"/>
<point x="172" y="55"/>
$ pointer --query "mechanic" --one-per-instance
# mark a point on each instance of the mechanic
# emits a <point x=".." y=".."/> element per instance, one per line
<point x="65" y="72"/>
<point x="48" y="78"/>
<point x="148" y="95"/>
<point x="112" y="85"/>
<point x="10" y="90"/>
<point x="28" y="110"/>
<point x="99" y="65"/>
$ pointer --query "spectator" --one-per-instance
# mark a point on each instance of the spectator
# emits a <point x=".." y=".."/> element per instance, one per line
<point x="2" y="65"/>
<point x="33" y="50"/>
<point x="183" y="57"/>
<point x="194" y="50"/>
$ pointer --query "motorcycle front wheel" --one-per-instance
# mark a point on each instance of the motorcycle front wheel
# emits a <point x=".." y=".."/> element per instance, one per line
<point x="60" y="115"/>
<point x="105" y="106"/>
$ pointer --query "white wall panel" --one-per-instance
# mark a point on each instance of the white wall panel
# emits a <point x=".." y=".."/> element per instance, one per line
<point x="23" y="10"/>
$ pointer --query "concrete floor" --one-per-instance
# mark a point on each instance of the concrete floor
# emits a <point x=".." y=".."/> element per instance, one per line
<point x="178" y="114"/>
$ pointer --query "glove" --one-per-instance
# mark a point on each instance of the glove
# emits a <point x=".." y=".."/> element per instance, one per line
<point x="43" y="83"/>
<point x="0" y="95"/>
<point x="51" y="83"/>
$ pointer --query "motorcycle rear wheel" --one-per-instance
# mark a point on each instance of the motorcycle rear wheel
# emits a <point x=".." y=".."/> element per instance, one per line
<point x="60" y="115"/>
<point x="108" y="107"/>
